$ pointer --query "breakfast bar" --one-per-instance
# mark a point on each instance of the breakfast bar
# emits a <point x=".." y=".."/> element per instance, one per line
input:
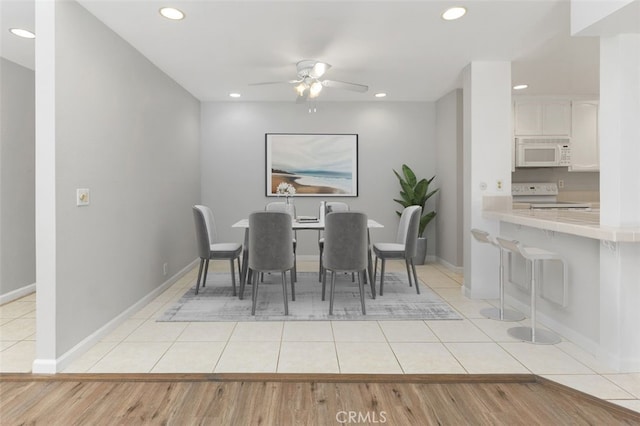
<point x="597" y="306"/>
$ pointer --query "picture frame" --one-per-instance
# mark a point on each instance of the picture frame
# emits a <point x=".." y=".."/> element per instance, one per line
<point x="316" y="165"/>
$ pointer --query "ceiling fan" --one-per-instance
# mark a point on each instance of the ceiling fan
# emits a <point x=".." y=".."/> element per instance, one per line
<point x="308" y="85"/>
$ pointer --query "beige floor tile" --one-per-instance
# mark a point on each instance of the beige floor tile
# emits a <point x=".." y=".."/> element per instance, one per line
<point x="190" y="357"/>
<point x="367" y="358"/>
<point x="497" y="330"/>
<point x="450" y="294"/>
<point x="485" y="358"/>
<point x="457" y="331"/>
<point x="426" y="358"/>
<point x="407" y="331"/>
<point x="207" y="332"/>
<point x="586" y="358"/>
<point x="357" y="331"/>
<point x="90" y="358"/>
<point x="470" y="308"/>
<point x="4" y="344"/>
<point x="18" y="329"/>
<point x="123" y="330"/>
<point x="267" y="331"/>
<point x="16" y="309"/>
<point x="307" y="331"/>
<point x="308" y="357"/>
<point x="131" y="357"/>
<point x="592" y="384"/>
<point x="18" y="358"/>
<point x="631" y="404"/>
<point x="31" y="297"/>
<point x="249" y="357"/>
<point x="149" y="310"/>
<point x="545" y="359"/>
<point x="152" y="331"/>
<point x="627" y="381"/>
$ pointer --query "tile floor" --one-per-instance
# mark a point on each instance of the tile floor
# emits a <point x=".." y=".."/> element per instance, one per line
<point x="473" y="345"/>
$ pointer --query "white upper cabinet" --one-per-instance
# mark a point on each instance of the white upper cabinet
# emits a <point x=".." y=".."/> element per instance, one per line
<point x="542" y="118"/>
<point x="585" y="149"/>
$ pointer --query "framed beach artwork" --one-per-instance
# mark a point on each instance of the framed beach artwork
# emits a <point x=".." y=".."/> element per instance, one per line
<point x="314" y="165"/>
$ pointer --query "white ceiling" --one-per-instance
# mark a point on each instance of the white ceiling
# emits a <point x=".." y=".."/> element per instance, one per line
<point x="402" y="48"/>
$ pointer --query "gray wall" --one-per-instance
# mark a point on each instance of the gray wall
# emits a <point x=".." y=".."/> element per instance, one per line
<point x="449" y="169"/>
<point x="17" y="177"/>
<point x="233" y="155"/>
<point x="129" y="133"/>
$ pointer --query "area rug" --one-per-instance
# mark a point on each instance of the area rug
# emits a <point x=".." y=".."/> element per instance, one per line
<point x="215" y="302"/>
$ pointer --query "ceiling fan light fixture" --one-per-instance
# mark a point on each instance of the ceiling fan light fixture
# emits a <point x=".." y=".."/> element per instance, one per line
<point x="315" y="89"/>
<point x="454" y="13"/>
<point x="300" y="88"/>
<point x="520" y="86"/>
<point x="172" y="13"/>
<point x="380" y="95"/>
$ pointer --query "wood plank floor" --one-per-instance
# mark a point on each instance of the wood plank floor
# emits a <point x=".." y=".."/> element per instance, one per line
<point x="297" y="399"/>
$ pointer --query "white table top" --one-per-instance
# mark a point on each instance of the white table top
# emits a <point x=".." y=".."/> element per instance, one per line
<point x="244" y="223"/>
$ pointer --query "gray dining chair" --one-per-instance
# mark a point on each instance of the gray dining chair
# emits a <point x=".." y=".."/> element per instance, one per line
<point x="330" y="206"/>
<point x="346" y="248"/>
<point x="210" y="248"/>
<point x="270" y="250"/>
<point x="279" y="206"/>
<point x="403" y="248"/>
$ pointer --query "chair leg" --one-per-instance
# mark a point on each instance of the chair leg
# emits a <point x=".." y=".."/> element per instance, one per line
<point x="375" y="269"/>
<point x="284" y="293"/>
<point x="321" y="248"/>
<point x="333" y="286"/>
<point x="206" y="269"/>
<point x="415" y="276"/>
<point x="293" y="288"/>
<point x="233" y="277"/>
<point x="199" y="275"/>
<point x="254" y="293"/>
<point x="324" y="282"/>
<point x="239" y="269"/>
<point x="295" y="262"/>
<point x="382" y="260"/>
<point x="406" y="262"/>
<point x="372" y="283"/>
<point x="361" y="286"/>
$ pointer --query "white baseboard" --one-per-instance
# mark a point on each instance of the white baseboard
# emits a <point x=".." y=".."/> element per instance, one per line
<point x="17" y="294"/>
<point x="449" y="266"/>
<point x="48" y="366"/>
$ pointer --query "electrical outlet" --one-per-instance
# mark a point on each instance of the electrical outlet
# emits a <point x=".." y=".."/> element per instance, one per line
<point x="499" y="185"/>
<point x="165" y="268"/>
<point x="560" y="183"/>
<point x="82" y="197"/>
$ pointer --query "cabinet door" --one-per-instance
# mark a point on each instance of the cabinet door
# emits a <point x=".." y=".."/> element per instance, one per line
<point x="556" y="118"/>
<point x="585" y="149"/>
<point x="528" y="118"/>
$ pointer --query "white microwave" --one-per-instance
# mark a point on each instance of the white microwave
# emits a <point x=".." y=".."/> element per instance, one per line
<point x="543" y="152"/>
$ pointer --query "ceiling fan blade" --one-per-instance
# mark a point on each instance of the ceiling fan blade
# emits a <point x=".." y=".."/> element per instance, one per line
<point x="264" y="83"/>
<point x="344" y="85"/>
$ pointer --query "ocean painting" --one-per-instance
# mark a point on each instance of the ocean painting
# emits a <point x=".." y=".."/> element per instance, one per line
<point x="314" y="164"/>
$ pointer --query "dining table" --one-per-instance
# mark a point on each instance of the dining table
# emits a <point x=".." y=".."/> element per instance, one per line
<point x="301" y="223"/>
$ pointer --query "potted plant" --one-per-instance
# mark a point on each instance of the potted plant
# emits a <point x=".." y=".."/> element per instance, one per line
<point x="416" y="193"/>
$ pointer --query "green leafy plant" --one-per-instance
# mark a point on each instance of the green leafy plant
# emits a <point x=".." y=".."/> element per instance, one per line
<point x="415" y="193"/>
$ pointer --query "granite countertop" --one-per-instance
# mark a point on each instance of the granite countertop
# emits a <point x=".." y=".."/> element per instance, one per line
<point x="581" y="223"/>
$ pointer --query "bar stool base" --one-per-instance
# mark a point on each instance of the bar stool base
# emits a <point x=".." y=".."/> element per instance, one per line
<point x="508" y="314"/>
<point x="543" y="337"/>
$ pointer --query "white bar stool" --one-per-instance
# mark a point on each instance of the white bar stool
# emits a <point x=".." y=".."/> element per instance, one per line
<point x="534" y="255"/>
<point x="500" y="314"/>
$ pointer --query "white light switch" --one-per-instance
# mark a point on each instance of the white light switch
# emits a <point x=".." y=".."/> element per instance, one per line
<point x="82" y="197"/>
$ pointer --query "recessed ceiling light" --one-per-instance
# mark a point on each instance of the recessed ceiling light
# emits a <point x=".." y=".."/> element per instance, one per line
<point x="172" y="13"/>
<point x="22" y="33"/>
<point x="380" y="95"/>
<point x="453" y="13"/>
<point x="235" y="95"/>
<point x="520" y="86"/>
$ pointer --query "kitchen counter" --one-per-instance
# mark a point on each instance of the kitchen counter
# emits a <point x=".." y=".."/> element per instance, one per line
<point x="581" y="223"/>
